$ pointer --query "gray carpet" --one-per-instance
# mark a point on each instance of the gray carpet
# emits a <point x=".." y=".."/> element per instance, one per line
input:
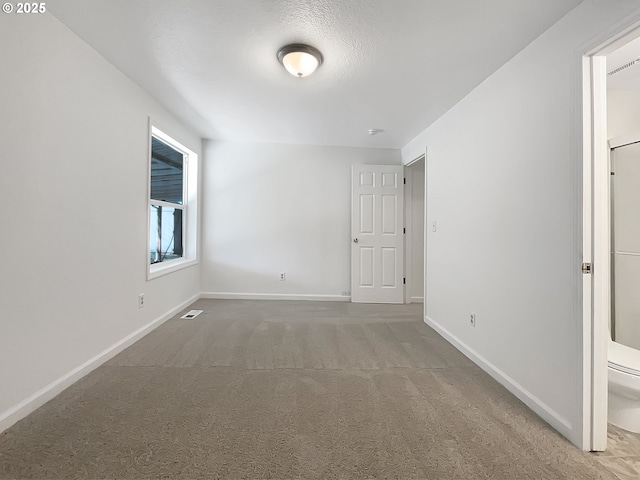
<point x="290" y="390"/>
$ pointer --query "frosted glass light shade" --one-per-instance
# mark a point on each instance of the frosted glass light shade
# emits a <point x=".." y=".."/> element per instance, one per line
<point x="300" y="60"/>
<point x="300" y="64"/>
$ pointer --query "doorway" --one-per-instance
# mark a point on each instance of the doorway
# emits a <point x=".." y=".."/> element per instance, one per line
<point x="414" y="195"/>
<point x="377" y="228"/>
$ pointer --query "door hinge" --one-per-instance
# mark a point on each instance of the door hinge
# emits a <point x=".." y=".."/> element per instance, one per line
<point x="404" y="230"/>
<point x="405" y="181"/>
<point x="586" y="268"/>
<point x="404" y="281"/>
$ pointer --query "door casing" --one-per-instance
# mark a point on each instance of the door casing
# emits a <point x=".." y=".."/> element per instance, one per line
<point x="411" y="248"/>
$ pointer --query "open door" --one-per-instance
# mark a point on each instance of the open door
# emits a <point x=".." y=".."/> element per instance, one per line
<point x="414" y="238"/>
<point x="377" y="242"/>
<point x="596" y="253"/>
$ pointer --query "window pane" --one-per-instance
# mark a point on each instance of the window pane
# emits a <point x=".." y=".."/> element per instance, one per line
<point x="167" y="165"/>
<point x="165" y="233"/>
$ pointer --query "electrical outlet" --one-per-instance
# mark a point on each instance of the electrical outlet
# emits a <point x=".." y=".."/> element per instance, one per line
<point x="282" y="276"/>
<point x="346" y="293"/>
<point x="472" y="319"/>
<point x="141" y="300"/>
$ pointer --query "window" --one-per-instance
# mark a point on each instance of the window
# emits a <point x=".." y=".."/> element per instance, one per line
<point x="171" y="199"/>
<point x="166" y="203"/>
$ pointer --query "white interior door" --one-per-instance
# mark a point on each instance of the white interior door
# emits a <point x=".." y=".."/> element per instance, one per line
<point x="377" y="213"/>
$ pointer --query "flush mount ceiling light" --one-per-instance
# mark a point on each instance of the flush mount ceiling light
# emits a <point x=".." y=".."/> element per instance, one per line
<point x="300" y="60"/>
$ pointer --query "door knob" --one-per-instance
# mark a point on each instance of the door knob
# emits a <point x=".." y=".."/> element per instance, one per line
<point x="355" y="240"/>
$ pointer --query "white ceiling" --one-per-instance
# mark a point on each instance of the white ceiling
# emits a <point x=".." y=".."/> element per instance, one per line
<point x="395" y="65"/>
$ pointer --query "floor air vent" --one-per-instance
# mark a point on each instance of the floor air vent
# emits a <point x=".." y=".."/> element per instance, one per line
<point x="191" y="314"/>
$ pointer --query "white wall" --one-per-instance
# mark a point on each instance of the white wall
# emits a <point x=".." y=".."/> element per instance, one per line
<point x="271" y="208"/>
<point x="504" y="185"/>
<point x="73" y="152"/>
<point x="623" y="112"/>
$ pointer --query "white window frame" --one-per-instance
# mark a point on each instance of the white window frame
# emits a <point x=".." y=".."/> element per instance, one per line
<point x="189" y="208"/>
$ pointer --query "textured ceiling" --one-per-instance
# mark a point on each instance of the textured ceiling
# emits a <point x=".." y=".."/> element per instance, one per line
<point x="396" y="65"/>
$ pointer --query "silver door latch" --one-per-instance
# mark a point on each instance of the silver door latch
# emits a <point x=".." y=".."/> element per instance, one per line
<point x="586" y="268"/>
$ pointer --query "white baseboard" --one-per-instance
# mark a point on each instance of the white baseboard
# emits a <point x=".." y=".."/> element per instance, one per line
<point x="417" y="300"/>
<point x="24" y="408"/>
<point x="274" y="296"/>
<point x="557" y="421"/>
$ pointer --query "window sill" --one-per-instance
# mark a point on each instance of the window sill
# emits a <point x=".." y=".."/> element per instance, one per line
<point x="159" y="269"/>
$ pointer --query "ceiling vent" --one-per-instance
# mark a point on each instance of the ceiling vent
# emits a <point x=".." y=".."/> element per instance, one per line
<point x="623" y="67"/>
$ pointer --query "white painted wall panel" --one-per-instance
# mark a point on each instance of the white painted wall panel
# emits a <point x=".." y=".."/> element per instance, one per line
<point x="271" y="208"/>
<point x="73" y="152"/>
<point x="504" y="185"/>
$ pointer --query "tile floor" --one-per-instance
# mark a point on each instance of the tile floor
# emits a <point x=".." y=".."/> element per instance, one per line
<point x="623" y="453"/>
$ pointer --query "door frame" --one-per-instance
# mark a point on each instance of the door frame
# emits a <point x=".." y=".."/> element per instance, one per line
<point x="408" y="221"/>
<point x="614" y="143"/>
<point x="596" y="233"/>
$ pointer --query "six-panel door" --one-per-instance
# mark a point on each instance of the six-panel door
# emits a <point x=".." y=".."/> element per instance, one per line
<point x="377" y="234"/>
